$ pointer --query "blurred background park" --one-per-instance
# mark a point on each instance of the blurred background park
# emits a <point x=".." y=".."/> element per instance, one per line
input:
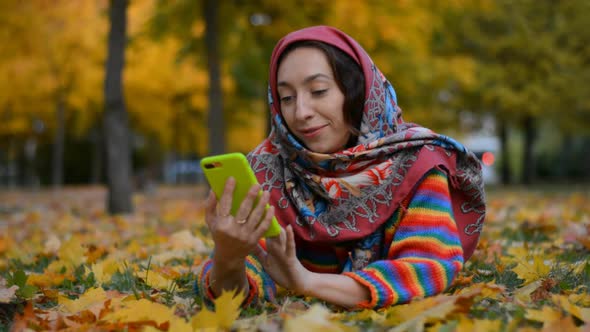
<point x="510" y="79"/>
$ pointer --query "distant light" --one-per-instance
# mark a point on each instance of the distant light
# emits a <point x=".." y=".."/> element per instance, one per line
<point x="488" y="158"/>
<point x="259" y="19"/>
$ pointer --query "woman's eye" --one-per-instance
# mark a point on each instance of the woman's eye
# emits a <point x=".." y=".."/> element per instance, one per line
<point x="319" y="92"/>
<point x="286" y="99"/>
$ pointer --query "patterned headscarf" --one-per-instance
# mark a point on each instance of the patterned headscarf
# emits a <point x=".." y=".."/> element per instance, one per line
<point x="349" y="194"/>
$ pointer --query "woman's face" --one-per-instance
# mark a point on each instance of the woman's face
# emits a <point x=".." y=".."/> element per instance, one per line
<point x="311" y="102"/>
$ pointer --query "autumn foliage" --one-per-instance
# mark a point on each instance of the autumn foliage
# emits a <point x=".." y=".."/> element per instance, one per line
<point x="66" y="265"/>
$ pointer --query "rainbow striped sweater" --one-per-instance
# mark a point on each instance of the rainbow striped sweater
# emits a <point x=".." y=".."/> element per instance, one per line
<point x="417" y="253"/>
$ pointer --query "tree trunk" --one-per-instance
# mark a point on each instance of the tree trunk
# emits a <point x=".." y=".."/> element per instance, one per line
<point x="215" y="117"/>
<point x="116" y="129"/>
<point x="528" y="165"/>
<point x="505" y="173"/>
<point x="58" y="143"/>
<point x="97" y="154"/>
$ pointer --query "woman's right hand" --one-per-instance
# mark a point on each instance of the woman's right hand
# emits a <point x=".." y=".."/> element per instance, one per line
<point x="237" y="236"/>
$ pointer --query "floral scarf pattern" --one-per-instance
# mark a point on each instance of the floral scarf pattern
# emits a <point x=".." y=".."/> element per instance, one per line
<point x="349" y="194"/>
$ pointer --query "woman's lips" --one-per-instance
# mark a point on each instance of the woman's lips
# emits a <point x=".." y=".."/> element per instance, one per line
<point x="311" y="132"/>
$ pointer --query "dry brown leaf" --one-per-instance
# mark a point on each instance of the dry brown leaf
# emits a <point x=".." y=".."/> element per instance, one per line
<point x="544" y="291"/>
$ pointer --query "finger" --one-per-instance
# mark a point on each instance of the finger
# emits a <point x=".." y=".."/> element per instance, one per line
<point x="257" y="213"/>
<point x="273" y="244"/>
<point x="210" y="207"/>
<point x="265" y="222"/>
<point x="283" y="238"/>
<point x="291" y="249"/>
<point x="246" y="205"/>
<point x="226" y="198"/>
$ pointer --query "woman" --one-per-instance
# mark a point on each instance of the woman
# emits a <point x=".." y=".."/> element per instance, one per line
<point x="375" y="211"/>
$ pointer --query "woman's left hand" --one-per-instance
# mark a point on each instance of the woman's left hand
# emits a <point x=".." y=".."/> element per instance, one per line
<point x="281" y="263"/>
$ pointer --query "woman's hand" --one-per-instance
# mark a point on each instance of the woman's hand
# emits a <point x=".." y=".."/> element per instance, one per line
<point x="281" y="263"/>
<point x="234" y="237"/>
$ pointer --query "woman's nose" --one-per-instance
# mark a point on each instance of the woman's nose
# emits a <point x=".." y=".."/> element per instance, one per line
<point x="304" y="109"/>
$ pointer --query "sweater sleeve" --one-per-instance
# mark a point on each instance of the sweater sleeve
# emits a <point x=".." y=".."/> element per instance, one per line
<point x="261" y="286"/>
<point x="425" y="253"/>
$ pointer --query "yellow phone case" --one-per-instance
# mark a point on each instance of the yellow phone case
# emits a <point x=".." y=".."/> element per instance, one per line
<point x="219" y="168"/>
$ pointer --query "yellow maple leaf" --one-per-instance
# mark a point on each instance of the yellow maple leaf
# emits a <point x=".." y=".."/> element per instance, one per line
<point x="156" y="280"/>
<point x="92" y="297"/>
<point x="532" y="270"/>
<point x="565" y="324"/>
<point x="71" y="255"/>
<point x="581" y="313"/>
<point x="582" y="299"/>
<point x="479" y="325"/>
<point x="434" y="309"/>
<point x="227" y="310"/>
<point x="144" y="310"/>
<point x="316" y="318"/>
<point x="104" y="270"/>
<point x="72" y="252"/>
<point x="545" y="315"/>
<point x="368" y="315"/>
<point x="46" y="280"/>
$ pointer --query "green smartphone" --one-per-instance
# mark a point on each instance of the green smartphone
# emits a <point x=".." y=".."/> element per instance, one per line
<point x="219" y="168"/>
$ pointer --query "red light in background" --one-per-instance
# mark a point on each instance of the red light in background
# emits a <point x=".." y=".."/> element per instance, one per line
<point x="488" y="158"/>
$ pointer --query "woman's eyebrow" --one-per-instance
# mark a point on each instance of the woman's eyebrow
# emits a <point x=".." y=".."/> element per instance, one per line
<point x="307" y="79"/>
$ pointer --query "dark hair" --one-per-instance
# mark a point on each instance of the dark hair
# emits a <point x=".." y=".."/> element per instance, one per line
<point x="349" y="78"/>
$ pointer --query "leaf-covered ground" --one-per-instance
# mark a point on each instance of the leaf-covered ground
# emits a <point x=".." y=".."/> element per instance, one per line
<point x="66" y="265"/>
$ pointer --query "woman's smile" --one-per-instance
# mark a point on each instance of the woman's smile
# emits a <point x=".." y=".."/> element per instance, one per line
<point x="312" y="131"/>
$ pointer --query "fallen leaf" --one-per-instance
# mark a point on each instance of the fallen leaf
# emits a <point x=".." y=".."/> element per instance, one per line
<point x="415" y="314"/>
<point x="47" y="279"/>
<point x="52" y="245"/>
<point x="93" y="297"/>
<point x="7" y="294"/>
<point x="4" y="244"/>
<point x="479" y="325"/>
<point x="368" y="315"/>
<point x="144" y="311"/>
<point x="563" y="302"/>
<point x="564" y="324"/>
<point x="544" y="291"/>
<point x="185" y="240"/>
<point x="582" y="298"/>
<point x="546" y="314"/>
<point x="317" y="318"/>
<point x="21" y="321"/>
<point x="531" y="270"/>
<point x="104" y="270"/>
<point x="156" y="280"/>
<point x="227" y="310"/>
<point x="523" y="294"/>
<point x="72" y="252"/>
